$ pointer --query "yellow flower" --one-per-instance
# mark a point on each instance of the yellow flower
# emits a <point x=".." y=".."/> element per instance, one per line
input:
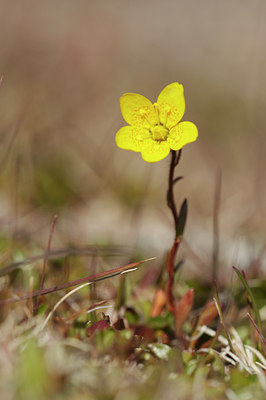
<point x="155" y="129"/>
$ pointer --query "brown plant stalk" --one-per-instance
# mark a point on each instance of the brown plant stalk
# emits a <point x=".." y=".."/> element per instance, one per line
<point x="170" y="263"/>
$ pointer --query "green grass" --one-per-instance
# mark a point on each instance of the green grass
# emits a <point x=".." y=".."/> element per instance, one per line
<point x="123" y="352"/>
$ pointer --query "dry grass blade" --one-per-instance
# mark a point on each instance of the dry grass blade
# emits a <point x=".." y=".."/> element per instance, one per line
<point x="86" y="310"/>
<point x="92" y="278"/>
<point x="257" y="329"/>
<point x="222" y="321"/>
<point x="44" y="263"/>
<point x="219" y="310"/>
<point x="55" y="254"/>
<point x="63" y="299"/>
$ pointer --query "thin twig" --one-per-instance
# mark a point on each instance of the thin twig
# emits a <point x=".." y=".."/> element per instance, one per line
<point x="45" y="263"/>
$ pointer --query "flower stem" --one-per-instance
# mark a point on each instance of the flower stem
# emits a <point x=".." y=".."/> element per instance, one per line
<point x="170" y="193"/>
<point x="171" y="275"/>
<point x="173" y="251"/>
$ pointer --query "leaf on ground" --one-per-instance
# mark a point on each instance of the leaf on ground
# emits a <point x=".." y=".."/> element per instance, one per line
<point x="159" y="301"/>
<point x="145" y="331"/>
<point x="207" y="315"/>
<point x="183" y="308"/>
<point x="98" y="326"/>
<point x="160" y="350"/>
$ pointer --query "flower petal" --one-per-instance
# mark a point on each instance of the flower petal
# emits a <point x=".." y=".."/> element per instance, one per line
<point x="137" y="110"/>
<point x="152" y="150"/>
<point x="171" y="104"/>
<point x="131" y="137"/>
<point x="182" y="134"/>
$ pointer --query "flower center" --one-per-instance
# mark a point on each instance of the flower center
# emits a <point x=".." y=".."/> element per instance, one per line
<point x="159" y="132"/>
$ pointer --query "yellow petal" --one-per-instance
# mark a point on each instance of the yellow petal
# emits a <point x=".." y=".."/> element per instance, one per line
<point x="171" y="104"/>
<point x="152" y="150"/>
<point x="131" y="137"/>
<point x="182" y="134"/>
<point x="137" y="110"/>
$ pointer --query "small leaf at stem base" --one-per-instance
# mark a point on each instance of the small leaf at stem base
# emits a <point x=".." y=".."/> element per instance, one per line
<point x="182" y="219"/>
<point x="177" y="179"/>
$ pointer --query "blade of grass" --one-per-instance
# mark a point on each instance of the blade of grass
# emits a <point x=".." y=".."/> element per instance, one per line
<point x="92" y="278"/>
<point x="65" y="297"/>
<point x="45" y="263"/>
<point x="86" y="310"/>
<point x="257" y="329"/>
<point x="72" y="252"/>
<point x="219" y="309"/>
<point x="252" y="298"/>
<point x="61" y="301"/>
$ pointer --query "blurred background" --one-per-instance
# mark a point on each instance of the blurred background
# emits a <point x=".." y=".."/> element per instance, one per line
<point x="66" y="64"/>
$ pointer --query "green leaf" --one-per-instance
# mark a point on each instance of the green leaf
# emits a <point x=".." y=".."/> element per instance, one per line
<point x="123" y="292"/>
<point x="182" y="219"/>
<point x="252" y="298"/>
<point x="160" y="350"/>
<point x="32" y="378"/>
<point x="177" y="179"/>
<point x="161" y="321"/>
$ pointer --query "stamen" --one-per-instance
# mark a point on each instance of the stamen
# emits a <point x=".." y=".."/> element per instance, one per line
<point x="143" y="113"/>
<point x="162" y="136"/>
<point x="168" y="112"/>
<point x="156" y="134"/>
<point x="157" y="112"/>
<point x="159" y="133"/>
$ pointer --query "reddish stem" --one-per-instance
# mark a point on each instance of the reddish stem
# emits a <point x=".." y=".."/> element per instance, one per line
<point x="171" y="275"/>
<point x="172" y="252"/>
